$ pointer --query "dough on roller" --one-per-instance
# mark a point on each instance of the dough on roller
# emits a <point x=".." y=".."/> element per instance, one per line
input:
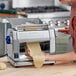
<point x="38" y="60"/>
<point x="35" y="52"/>
<point x="2" y="66"/>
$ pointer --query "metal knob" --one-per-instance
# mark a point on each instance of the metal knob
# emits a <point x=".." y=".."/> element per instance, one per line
<point x="8" y="40"/>
<point x="51" y="23"/>
<point x="2" y="5"/>
<point x="58" y="23"/>
<point x="67" y="22"/>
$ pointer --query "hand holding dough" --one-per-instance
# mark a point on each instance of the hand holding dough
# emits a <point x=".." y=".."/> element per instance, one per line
<point x="38" y="60"/>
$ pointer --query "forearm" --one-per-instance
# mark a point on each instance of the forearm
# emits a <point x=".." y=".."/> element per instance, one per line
<point x="66" y="30"/>
<point x="62" y="57"/>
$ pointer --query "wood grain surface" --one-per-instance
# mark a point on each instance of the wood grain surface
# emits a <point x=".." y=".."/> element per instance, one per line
<point x="59" y="69"/>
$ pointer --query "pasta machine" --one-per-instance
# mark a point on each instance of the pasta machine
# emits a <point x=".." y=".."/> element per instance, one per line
<point x="25" y="30"/>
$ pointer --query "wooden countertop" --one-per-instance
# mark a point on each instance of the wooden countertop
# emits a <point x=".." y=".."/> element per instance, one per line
<point x="7" y="15"/>
<point x="59" y="69"/>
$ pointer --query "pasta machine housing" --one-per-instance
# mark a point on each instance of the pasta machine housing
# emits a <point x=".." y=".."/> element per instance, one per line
<point x="18" y="36"/>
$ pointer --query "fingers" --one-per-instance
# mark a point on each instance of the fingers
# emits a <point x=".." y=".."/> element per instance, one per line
<point x="28" y="52"/>
<point x="66" y="27"/>
<point x="63" y="30"/>
<point x="65" y="1"/>
<point x="46" y="56"/>
<point x="66" y="30"/>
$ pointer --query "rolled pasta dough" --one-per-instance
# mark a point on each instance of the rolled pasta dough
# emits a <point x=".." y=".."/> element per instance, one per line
<point x="35" y="52"/>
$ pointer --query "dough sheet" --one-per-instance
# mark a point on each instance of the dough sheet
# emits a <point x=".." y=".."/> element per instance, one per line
<point x="35" y="52"/>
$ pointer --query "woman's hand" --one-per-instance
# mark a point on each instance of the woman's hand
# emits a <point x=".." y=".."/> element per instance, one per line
<point x="65" y="1"/>
<point x="28" y="52"/>
<point x="65" y="30"/>
<point x="45" y="54"/>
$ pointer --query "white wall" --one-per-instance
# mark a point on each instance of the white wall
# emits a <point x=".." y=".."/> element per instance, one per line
<point x="30" y="3"/>
<point x="58" y="3"/>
